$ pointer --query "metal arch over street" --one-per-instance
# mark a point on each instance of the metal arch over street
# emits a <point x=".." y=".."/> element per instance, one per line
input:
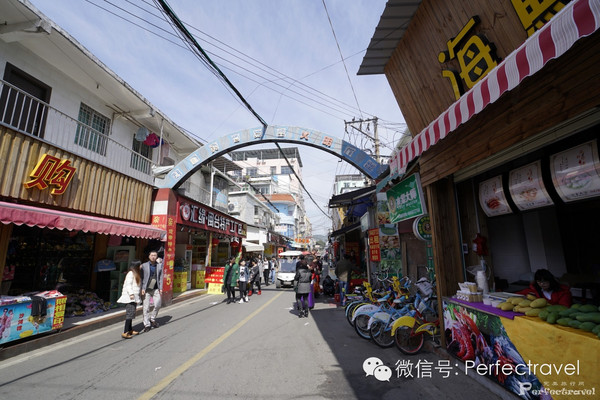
<point x="273" y="134"/>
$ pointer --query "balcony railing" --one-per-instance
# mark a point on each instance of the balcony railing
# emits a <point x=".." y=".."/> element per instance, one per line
<point x="30" y="116"/>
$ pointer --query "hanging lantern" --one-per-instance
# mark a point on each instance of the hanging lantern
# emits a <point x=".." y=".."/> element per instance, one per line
<point x="215" y="242"/>
<point x="235" y="244"/>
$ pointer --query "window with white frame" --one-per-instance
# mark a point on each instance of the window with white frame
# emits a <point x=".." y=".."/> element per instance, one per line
<point x="92" y="130"/>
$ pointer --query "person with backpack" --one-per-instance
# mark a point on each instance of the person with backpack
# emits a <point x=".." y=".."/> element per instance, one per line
<point x="302" y="283"/>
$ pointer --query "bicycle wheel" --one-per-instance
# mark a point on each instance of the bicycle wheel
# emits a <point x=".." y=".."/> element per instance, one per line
<point x="350" y="311"/>
<point x="381" y="333"/>
<point x="407" y="341"/>
<point x="361" y="323"/>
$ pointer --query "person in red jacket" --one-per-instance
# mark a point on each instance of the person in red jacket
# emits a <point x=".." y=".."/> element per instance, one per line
<point x="546" y="286"/>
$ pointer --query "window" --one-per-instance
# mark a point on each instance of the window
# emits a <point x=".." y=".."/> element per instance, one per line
<point x="256" y="210"/>
<point x="252" y="172"/>
<point x="273" y="170"/>
<point x="286" y="170"/>
<point x="141" y="156"/>
<point x="92" y="130"/>
<point x="22" y="104"/>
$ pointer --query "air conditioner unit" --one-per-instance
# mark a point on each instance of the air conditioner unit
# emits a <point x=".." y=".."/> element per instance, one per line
<point x="233" y="208"/>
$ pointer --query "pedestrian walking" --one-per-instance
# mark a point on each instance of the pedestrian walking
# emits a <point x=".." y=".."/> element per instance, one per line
<point x="254" y="276"/>
<point x="343" y="269"/>
<point x="302" y="288"/>
<point x="152" y="284"/>
<point x="266" y="265"/>
<point x="273" y="266"/>
<point x="230" y="277"/>
<point x="130" y="296"/>
<point x="243" y="281"/>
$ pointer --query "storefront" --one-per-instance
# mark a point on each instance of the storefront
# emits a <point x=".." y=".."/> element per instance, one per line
<point x="200" y="240"/>
<point x="60" y="246"/>
<point x="505" y="118"/>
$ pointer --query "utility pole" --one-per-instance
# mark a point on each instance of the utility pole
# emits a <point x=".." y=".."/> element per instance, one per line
<point x="374" y="138"/>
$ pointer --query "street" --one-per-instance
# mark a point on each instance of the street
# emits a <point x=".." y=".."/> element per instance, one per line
<point x="207" y="349"/>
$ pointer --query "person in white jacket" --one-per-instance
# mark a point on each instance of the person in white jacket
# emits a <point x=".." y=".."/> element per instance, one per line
<point x="130" y="296"/>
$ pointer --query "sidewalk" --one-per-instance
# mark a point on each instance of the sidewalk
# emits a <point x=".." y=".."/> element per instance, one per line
<point x="76" y="326"/>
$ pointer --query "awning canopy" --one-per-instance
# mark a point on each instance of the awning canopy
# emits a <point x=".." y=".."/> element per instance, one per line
<point x="577" y="19"/>
<point x="346" y="229"/>
<point x="350" y="198"/>
<point x="20" y="214"/>
<point x="249" y="247"/>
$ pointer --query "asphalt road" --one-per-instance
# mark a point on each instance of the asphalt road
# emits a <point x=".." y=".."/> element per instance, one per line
<point x="207" y="349"/>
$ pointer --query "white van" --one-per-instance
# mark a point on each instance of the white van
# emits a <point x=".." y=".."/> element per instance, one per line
<point x="287" y="268"/>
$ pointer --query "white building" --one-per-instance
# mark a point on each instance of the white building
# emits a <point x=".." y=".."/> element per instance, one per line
<point x="267" y="171"/>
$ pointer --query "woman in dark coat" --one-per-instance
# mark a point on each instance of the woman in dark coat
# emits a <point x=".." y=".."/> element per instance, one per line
<point x="302" y="287"/>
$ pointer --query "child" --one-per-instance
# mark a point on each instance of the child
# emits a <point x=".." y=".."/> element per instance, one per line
<point x="131" y="297"/>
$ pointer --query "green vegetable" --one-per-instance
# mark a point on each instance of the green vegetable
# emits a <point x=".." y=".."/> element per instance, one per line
<point x="589" y="317"/>
<point x="588" y="308"/>
<point x="543" y="315"/>
<point x="564" y="321"/>
<point x="552" y="317"/>
<point x="588" y="326"/>
<point x="574" y="323"/>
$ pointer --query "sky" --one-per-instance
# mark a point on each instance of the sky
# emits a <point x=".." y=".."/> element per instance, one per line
<point x="283" y="56"/>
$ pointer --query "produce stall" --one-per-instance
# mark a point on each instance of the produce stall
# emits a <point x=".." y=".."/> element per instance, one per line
<point x="24" y="316"/>
<point x="528" y="356"/>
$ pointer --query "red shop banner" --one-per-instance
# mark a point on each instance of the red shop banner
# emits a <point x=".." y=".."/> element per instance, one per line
<point x="374" y="248"/>
<point x="199" y="216"/>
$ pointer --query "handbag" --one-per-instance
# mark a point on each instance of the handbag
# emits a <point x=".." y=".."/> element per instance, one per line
<point x="152" y="284"/>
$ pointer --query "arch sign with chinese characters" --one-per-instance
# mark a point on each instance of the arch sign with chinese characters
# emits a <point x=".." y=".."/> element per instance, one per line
<point x="273" y="134"/>
<point x="51" y="170"/>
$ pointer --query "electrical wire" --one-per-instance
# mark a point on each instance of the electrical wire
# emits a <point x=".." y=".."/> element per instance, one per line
<point x="342" y="57"/>
<point x="244" y="57"/>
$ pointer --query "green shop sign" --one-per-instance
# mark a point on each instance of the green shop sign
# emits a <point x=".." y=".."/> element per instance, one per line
<point x="405" y="200"/>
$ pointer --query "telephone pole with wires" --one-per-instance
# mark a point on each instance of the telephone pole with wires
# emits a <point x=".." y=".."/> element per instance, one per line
<point x="358" y="126"/>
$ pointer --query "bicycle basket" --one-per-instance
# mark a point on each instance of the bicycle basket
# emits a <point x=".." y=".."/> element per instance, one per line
<point x="424" y="287"/>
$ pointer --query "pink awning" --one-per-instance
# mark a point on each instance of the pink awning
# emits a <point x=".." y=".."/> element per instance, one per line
<point x="577" y="19"/>
<point x="20" y="214"/>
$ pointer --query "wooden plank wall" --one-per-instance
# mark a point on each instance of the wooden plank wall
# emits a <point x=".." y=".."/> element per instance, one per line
<point x="94" y="189"/>
<point x="414" y="72"/>
<point x="565" y="88"/>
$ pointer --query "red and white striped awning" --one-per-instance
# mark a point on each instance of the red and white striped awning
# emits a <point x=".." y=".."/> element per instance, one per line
<point x="577" y="19"/>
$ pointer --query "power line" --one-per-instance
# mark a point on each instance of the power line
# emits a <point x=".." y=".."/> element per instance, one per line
<point x="244" y="58"/>
<point x="204" y="57"/>
<point x="342" y="57"/>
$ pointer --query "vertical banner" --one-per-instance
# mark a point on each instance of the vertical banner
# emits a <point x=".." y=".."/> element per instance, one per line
<point x="169" y="260"/>
<point x="374" y="247"/>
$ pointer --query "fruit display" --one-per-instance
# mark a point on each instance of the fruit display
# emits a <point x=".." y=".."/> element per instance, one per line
<point x="580" y="316"/>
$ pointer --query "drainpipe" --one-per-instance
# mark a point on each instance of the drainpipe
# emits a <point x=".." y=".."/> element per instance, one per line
<point x="212" y="182"/>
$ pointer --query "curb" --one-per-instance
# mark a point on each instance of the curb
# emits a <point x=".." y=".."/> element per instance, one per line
<point x="54" y="337"/>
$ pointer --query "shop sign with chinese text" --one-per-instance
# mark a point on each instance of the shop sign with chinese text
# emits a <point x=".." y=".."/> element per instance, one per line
<point x="53" y="171"/>
<point x="405" y="200"/>
<point x="198" y="216"/>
